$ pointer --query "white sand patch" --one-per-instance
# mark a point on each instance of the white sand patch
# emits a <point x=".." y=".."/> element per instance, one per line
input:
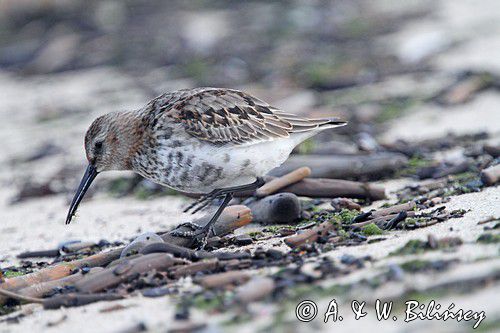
<point x="432" y="121"/>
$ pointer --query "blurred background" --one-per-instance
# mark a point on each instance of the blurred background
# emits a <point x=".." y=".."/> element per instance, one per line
<point x="64" y="62"/>
<point x="411" y="77"/>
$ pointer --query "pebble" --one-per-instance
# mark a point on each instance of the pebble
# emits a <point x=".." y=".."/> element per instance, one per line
<point x="339" y="203"/>
<point x="274" y="254"/>
<point x="396" y="272"/>
<point x="348" y="259"/>
<point x="156" y="292"/>
<point x="141" y="242"/>
<point x="243" y="239"/>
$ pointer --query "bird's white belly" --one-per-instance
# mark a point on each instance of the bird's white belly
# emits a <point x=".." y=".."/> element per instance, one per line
<point x="208" y="167"/>
<point x="263" y="157"/>
<point x="246" y="163"/>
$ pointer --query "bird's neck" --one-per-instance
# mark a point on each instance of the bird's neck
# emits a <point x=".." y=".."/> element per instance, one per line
<point x="131" y="131"/>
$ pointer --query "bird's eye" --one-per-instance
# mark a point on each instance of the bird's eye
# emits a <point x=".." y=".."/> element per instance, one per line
<point x="98" y="145"/>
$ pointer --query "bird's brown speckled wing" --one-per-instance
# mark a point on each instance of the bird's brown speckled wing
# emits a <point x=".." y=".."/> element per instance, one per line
<point x="231" y="116"/>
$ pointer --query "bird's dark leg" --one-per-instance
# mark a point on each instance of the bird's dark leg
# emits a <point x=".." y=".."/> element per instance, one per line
<point x="204" y="200"/>
<point x="208" y="228"/>
<point x="205" y="230"/>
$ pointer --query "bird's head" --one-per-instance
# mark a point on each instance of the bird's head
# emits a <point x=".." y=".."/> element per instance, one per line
<point x="110" y="143"/>
<point x="107" y="143"/>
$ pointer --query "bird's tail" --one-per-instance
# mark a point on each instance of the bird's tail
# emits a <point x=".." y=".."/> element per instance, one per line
<point x="315" y="125"/>
<point x="306" y="128"/>
<point x="331" y="122"/>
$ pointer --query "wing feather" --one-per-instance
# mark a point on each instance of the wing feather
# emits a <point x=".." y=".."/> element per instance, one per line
<point x="226" y="116"/>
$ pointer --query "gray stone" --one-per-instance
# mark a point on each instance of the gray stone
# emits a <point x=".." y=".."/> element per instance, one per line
<point x="140" y="242"/>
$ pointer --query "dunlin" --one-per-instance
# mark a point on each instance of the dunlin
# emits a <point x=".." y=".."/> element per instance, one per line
<point x="211" y="141"/>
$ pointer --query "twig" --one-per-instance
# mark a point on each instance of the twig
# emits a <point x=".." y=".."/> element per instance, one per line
<point x="71" y="300"/>
<point x="280" y="182"/>
<point x="176" y="251"/>
<point x="115" y="275"/>
<point x="41" y="289"/>
<point x="222" y="279"/>
<point x="191" y="269"/>
<point x="452" y="170"/>
<point x="393" y="223"/>
<point x="10" y="294"/>
<point x="380" y="219"/>
<point x="394" y="209"/>
<point x="311" y="235"/>
<point x="190" y="254"/>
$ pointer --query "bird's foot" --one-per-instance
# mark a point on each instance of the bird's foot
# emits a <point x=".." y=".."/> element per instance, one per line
<point x="205" y="232"/>
<point x="198" y="233"/>
<point x="259" y="182"/>
<point x="195" y="227"/>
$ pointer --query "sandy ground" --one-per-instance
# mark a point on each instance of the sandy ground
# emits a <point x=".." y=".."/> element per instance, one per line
<point x="39" y="223"/>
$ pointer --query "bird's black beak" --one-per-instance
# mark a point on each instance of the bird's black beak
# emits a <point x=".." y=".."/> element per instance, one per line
<point x="87" y="179"/>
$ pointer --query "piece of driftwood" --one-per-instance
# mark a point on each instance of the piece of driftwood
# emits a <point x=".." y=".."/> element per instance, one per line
<point x="190" y="254"/>
<point x="125" y="271"/>
<point x="39" y="254"/>
<point x="311" y="235"/>
<point x="430" y="185"/>
<point x="232" y="218"/>
<point x="58" y="271"/>
<point x="394" y="209"/>
<point x="70" y="300"/>
<point x="236" y="264"/>
<point x="463" y="90"/>
<point x="452" y="170"/>
<point x="122" y="259"/>
<point x="333" y="188"/>
<point x="393" y="223"/>
<point x="176" y="251"/>
<point x="329" y="188"/>
<point x="222" y="279"/>
<point x="75" y="247"/>
<point x="44" y="288"/>
<point x="7" y="294"/>
<point x="276" y="209"/>
<point x="344" y="166"/>
<point x="491" y="175"/>
<point x="255" y="289"/>
<point x="380" y="219"/>
<point x="424" y="224"/>
<point x="196" y="267"/>
<point x="280" y="182"/>
<point x="361" y="217"/>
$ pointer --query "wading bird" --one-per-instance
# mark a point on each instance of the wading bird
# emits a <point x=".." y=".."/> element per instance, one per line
<point x="211" y="141"/>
